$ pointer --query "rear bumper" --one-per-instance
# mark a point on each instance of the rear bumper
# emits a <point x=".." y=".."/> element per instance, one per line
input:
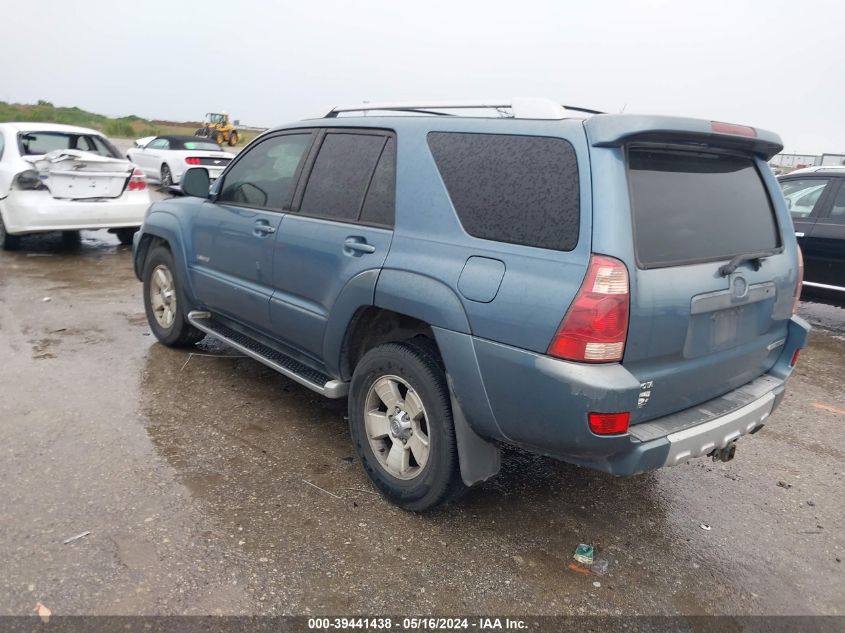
<point x="35" y="211"/>
<point x="541" y="404"/>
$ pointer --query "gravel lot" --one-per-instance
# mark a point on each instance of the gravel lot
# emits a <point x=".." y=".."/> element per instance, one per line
<point x="193" y="474"/>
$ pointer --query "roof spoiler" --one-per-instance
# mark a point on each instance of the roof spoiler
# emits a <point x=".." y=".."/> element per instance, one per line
<point x="613" y="130"/>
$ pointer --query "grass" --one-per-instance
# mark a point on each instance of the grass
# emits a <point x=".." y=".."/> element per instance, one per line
<point x="130" y="127"/>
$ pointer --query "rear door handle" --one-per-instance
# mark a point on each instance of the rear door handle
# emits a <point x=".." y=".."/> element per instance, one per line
<point x="358" y="245"/>
<point x="262" y="227"/>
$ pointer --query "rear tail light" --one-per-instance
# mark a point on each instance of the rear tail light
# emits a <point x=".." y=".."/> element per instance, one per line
<point x="28" y="180"/>
<point x="797" y="297"/>
<point x="732" y="128"/>
<point x="192" y="160"/>
<point x="596" y="326"/>
<point x="794" y="358"/>
<point x="609" y="423"/>
<point x="137" y="181"/>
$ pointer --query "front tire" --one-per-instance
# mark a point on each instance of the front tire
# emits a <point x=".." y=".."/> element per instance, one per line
<point x="233" y="139"/>
<point x="8" y="242"/>
<point x="165" y="303"/>
<point x="400" y="419"/>
<point x="166" y="177"/>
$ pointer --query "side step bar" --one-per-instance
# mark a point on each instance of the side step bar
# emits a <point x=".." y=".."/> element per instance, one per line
<point x="285" y="365"/>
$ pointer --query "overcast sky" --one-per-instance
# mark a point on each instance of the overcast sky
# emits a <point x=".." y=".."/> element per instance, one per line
<point x="776" y="64"/>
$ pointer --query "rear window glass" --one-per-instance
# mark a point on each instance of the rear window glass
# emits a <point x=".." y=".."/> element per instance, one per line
<point x="508" y="188"/>
<point x="205" y="146"/>
<point x="695" y="206"/>
<point x="38" y="143"/>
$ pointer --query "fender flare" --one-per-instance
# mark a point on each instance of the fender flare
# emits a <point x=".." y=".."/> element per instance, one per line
<point x="165" y="227"/>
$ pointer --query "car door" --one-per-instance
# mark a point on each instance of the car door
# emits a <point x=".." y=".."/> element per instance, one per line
<point x="828" y="241"/>
<point x="341" y="228"/>
<point x="807" y="198"/>
<point x="233" y="233"/>
<point x="149" y="158"/>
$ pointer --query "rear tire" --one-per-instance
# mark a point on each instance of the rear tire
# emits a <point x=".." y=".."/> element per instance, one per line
<point x="166" y="177"/>
<point x="8" y="242"/>
<point x="125" y="235"/>
<point x="201" y="132"/>
<point x="217" y="137"/>
<point x="406" y="440"/>
<point x="165" y="303"/>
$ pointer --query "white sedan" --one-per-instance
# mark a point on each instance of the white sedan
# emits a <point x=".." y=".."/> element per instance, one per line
<point x="66" y="178"/>
<point x="164" y="158"/>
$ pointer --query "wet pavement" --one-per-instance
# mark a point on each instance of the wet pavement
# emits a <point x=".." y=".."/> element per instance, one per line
<point x="210" y="484"/>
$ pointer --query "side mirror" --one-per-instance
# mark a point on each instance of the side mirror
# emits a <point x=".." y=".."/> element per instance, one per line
<point x="195" y="182"/>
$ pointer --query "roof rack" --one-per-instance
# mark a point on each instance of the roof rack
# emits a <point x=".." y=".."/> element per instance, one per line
<point x="521" y="108"/>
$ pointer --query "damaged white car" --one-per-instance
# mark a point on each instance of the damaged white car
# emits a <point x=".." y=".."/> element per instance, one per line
<point x="66" y="178"/>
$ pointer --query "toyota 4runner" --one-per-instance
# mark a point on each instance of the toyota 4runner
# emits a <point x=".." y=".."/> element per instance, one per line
<point x="616" y="291"/>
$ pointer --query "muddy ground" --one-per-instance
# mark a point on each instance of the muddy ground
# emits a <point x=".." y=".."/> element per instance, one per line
<point x="193" y="475"/>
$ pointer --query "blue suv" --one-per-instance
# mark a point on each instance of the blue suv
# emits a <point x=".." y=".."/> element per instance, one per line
<point x="616" y="291"/>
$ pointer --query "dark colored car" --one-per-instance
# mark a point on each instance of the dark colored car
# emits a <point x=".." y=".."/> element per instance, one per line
<point x="815" y="197"/>
<point x="616" y="291"/>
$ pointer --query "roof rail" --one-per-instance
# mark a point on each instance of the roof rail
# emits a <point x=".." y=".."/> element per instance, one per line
<point x="521" y="108"/>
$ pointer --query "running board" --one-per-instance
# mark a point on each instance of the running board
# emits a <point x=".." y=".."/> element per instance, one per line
<point x="813" y="284"/>
<point x="282" y="363"/>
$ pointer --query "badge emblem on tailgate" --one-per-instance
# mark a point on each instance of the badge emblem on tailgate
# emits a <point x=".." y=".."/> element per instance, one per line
<point x="645" y="393"/>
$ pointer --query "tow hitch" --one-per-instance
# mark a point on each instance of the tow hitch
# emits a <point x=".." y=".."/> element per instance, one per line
<point x="725" y="454"/>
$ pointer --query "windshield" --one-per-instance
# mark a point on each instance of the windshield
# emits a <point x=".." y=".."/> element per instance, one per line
<point x="697" y="206"/>
<point x="40" y="143"/>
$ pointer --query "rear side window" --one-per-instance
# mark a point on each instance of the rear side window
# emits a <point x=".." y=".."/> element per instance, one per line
<point x="508" y="188"/>
<point x="802" y="196"/>
<point x="341" y="175"/>
<point x="693" y="206"/>
<point x="380" y="202"/>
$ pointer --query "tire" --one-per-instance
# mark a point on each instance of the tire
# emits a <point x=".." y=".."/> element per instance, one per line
<point x="217" y="137"/>
<point x="424" y="473"/>
<point x="174" y="331"/>
<point x="233" y="138"/>
<point x="125" y="235"/>
<point x="166" y="176"/>
<point x="8" y="242"/>
<point x="201" y="132"/>
<point x="71" y="239"/>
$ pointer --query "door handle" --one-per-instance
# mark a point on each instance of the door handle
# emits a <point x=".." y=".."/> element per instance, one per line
<point x="797" y="234"/>
<point x="262" y="227"/>
<point x="358" y="245"/>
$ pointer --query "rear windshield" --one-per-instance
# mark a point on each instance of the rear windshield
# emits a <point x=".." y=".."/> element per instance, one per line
<point x="40" y="143"/>
<point x="205" y="146"/>
<point x="694" y="206"/>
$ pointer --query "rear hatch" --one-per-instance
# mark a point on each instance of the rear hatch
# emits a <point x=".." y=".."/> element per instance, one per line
<point x="712" y="262"/>
<point x="71" y="174"/>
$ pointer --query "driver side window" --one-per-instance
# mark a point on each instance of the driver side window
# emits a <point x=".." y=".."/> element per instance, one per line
<point x="265" y="176"/>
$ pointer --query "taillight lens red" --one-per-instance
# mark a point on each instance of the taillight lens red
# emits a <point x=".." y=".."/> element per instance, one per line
<point x="609" y="423"/>
<point x="137" y="181"/>
<point x="794" y="360"/>
<point x="732" y="128"/>
<point x="596" y="326"/>
<point x="192" y="160"/>
<point x="799" y="286"/>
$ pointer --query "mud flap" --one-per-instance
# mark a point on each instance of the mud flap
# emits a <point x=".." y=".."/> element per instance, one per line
<point x="479" y="459"/>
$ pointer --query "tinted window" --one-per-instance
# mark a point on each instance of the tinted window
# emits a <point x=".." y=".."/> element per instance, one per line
<point x="803" y="195"/>
<point x="266" y="174"/>
<point x="380" y="202"/>
<point x="205" y="146"/>
<point x="159" y="143"/>
<point x="519" y="189"/>
<point x="341" y="175"/>
<point x="691" y="206"/>
<point x="837" y="213"/>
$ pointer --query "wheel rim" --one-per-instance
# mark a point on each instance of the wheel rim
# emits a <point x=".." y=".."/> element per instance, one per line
<point x="397" y="427"/>
<point x="163" y="296"/>
<point x="165" y="176"/>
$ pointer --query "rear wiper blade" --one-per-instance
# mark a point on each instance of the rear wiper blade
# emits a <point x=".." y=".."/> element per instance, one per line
<point x="731" y="266"/>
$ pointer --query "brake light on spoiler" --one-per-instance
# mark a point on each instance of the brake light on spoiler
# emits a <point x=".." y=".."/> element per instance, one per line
<point x="732" y="128"/>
